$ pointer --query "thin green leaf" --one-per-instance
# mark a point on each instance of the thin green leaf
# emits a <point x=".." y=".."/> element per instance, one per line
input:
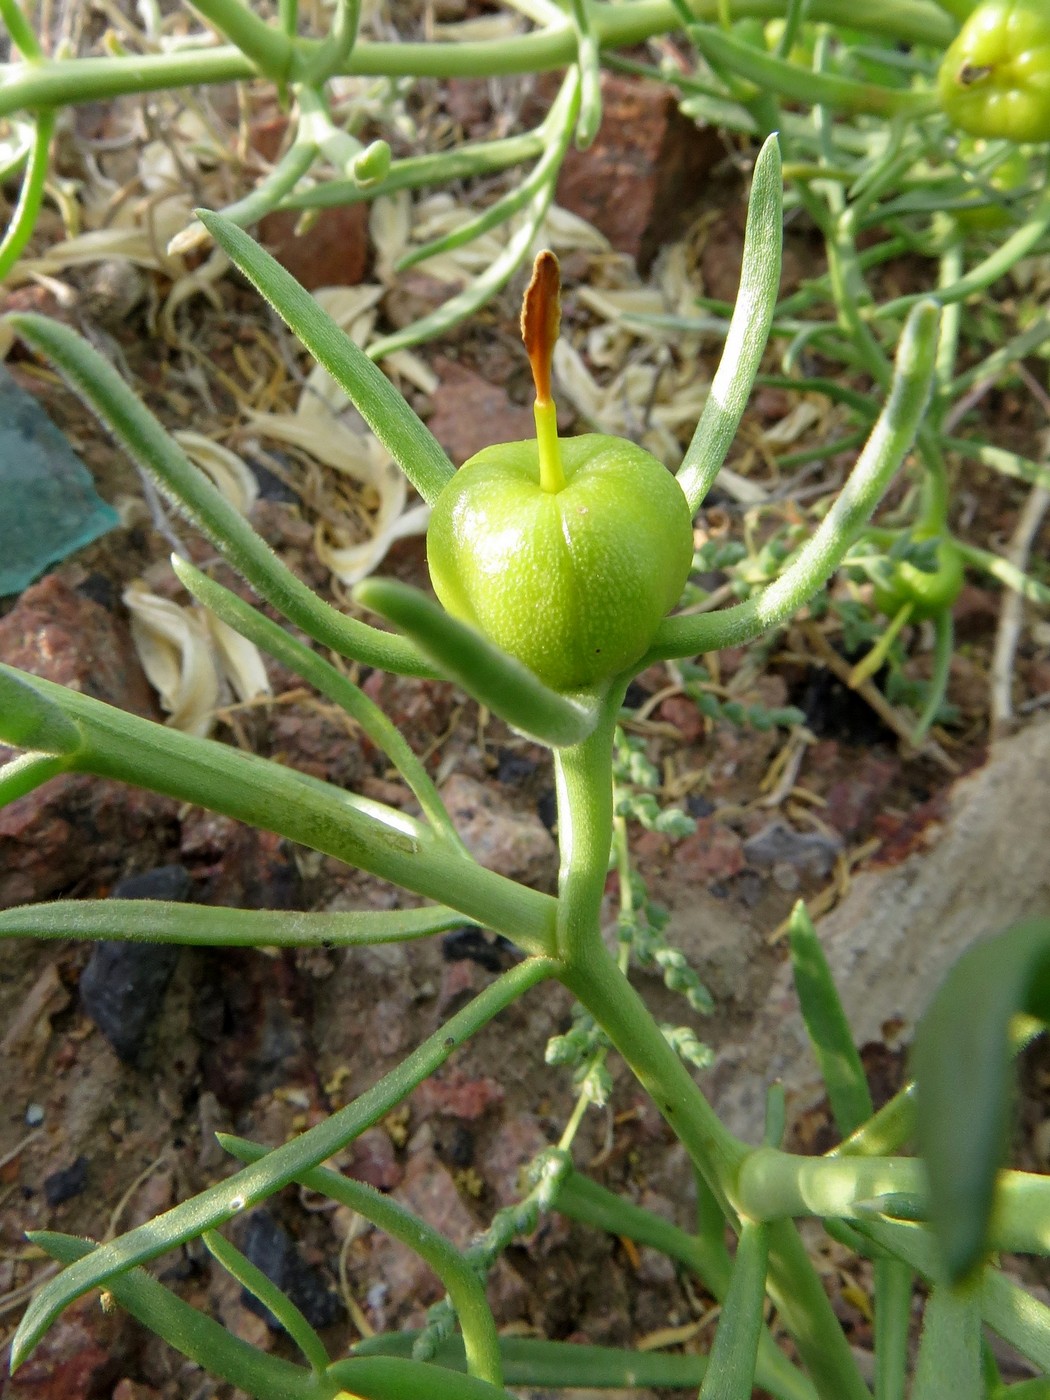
<point x="193" y="1333"/>
<point x="888" y="444"/>
<point x="208" y="925"/>
<point x="1007" y="573"/>
<point x="559" y="124"/>
<point x="26" y="773"/>
<point x="1000" y="460"/>
<point x="949" y="1364"/>
<point x="29" y="720"/>
<point x="413" y="447"/>
<point x="496" y="276"/>
<point x="265" y="1291"/>
<point x="507" y="687"/>
<point x="797" y="84"/>
<point x="588" y="58"/>
<point x="748" y="330"/>
<point x="398" y="1378"/>
<point x="101" y="387"/>
<point x="20" y="30"/>
<point x="221" y="1202"/>
<point x="962" y="1065"/>
<point x="31" y="195"/>
<point x="893" y="1293"/>
<point x="826" y="1025"/>
<point x="731" y="1367"/>
<point x="465" y="1289"/>
<point x="258" y="628"/>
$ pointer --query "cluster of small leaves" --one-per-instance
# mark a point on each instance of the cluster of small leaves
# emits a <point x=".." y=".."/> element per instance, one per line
<point x="643" y="928"/>
<point x="867" y="562"/>
<point x="544" y="1175"/>
<point x="636" y="782"/>
<point x="582" y="1049"/>
<point x="688" y="1046"/>
<point x="696" y="680"/>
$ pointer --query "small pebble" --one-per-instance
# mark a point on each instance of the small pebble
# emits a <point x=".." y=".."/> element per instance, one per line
<point x="35" y="1115"/>
<point x="66" y="1183"/>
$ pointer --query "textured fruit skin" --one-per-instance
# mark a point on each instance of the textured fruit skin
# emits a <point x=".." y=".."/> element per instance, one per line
<point x="574" y="582"/>
<point x="928" y="593"/>
<point x="995" y="78"/>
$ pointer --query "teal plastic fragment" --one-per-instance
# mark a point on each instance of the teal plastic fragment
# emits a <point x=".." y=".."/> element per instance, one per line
<point x="48" y="503"/>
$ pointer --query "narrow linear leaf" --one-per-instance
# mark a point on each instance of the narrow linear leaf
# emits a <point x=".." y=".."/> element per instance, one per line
<point x="532" y="1362"/>
<point x="507" y="687"/>
<point x="265" y="1291"/>
<point x="731" y="1367"/>
<point x="207" y="925"/>
<point x="193" y="1333"/>
<point x="413" y="447"/>
<point x="826" y="1025"/>
<point x="398" y="1378"/>
<point x="889" y="442"/>
<point x="949" y="1364"/>
<point x="748" y="330"/>
<point x="29" y="720"/>
<point x="894" y="1282"/>
<point x="101" y="387"/>
<point x="26" y="773"/>
<point x="465" y="1289"/>
<point x="961" y="1060"/>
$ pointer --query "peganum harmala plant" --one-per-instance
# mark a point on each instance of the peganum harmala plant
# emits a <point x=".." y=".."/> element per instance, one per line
<point x="927" y="1224"/>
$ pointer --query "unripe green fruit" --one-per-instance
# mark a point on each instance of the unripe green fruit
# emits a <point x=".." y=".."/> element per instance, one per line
<point x="995" y="77"/>
<point x="574" y="582"/>
<point x="928" y="593"/>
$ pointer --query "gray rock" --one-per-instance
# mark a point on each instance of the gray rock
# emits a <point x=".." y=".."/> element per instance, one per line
<point x="892" y="940"/>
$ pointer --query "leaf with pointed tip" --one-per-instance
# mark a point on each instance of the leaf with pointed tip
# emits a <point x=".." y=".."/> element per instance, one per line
<point x="415" y="449"/>
<point x="508" y="688"/>
<point x="961" y="1060"/>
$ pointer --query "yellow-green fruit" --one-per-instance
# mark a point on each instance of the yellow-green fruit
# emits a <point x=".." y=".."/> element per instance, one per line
<point x="929" y="593"/>
<point x="995" y="78"/>
<point x="573" y="583"/>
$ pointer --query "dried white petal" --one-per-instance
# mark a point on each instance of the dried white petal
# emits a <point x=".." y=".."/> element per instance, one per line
<point x="174" y="647"/>
<point x="228" y="472"/>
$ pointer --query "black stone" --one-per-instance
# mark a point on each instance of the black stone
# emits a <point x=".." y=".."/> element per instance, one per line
<point x="272" y="1250"/>
<point x="66" y="1183"/>
<point x="697" y="805"/>
<point x="514" y="768"/>
<point x="470" y="944"/>
<point x="547" y="810"/>
<point x="271" y="486"/>
<point x="122" y="988"/>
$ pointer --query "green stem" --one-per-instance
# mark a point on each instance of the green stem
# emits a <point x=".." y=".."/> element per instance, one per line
<point x="583" y="784"/>
<point x="464" y="1288"/>
<point x="221" y="1202"/>
<point x="81" y="80"/>
<point x="269" y="50"/>
<point x="268" y="795"/>
<point x="30" y="196"/>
